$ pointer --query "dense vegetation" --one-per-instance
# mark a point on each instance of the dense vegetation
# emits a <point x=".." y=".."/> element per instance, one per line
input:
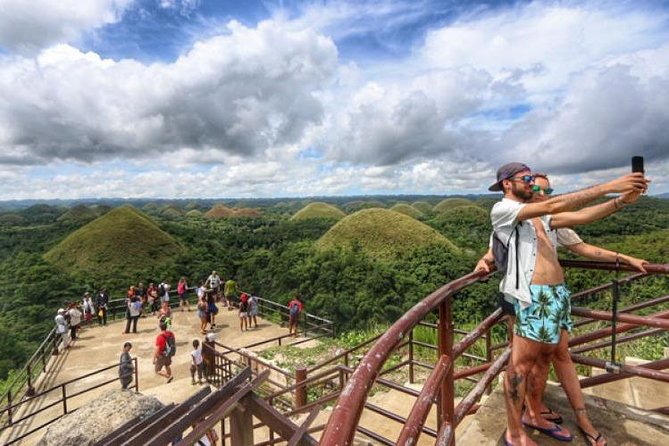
<point x="47" y="260"/>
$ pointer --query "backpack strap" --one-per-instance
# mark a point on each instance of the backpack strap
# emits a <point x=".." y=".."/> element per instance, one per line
<point x="517" y="261"/>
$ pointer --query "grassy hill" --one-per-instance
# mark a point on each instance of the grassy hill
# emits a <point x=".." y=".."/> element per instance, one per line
<point x="422" y="206"/>
<point x="468" y="226"/>
<point x="407" y="209"/>
<point x="79" y="214"/>
<point x="318" y="210"/>
<point x="356" y="205"/>
<point x="451" y="203"/>
<point x="382" y="233"/>
<point x="122" y="240"/>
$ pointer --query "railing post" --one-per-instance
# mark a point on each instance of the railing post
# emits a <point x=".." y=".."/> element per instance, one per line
<point x="64" y="399"/>
<point x="445" y="340"/>
<point x="9" y="406"/>
<point x="241" y="430"/>
<point x="136" y="374"/>
<point x="411" y="377"/>
<point x="300" y="391"/>
<point x="209" y="354"/>
<point x="31" y="389"/>
<point x="488" y="355"/>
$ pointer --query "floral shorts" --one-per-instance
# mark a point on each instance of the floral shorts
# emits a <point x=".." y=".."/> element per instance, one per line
<point x="549" y="312"/>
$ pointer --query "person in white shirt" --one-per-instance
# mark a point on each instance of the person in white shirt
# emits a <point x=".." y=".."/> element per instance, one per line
<point x="75" y="319"/>
<point x="534" y="278"/>
<point x="561" y="360"/>
<point x="197" y="364"/>
<point x="61" y="329"/>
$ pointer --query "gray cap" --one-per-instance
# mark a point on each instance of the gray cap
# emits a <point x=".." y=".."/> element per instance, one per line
<point x="505" y="172"/>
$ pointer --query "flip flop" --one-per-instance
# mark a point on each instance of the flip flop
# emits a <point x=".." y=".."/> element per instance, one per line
<point x="553" y="417"/>
<point x="551" y="432"/>
<point x="506" y="442"/>
<point x="589" y="438"/>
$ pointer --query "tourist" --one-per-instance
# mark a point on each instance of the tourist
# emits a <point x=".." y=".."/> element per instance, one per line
<point x="229" y="293"/>
<point x="61" y="329"/>
<point x="243" y="312"/>
<point x="196" y="362"/>
<point x="88" y="307"/>
<point x="126" y="367"/>
<point x="214" y="284"/>
<point x="211" y="308"/>
<point x="164" y="292"/>
<point x="182" y="291"/>
<point x="253" y="310"/>
<point x="295" y="308"/>
<point x="561" y="359"/>
<point x="537" y="274"/>
<point x="133" y="311"/>
<point x="140" y="292"/>
<point x="202" y="308"/>
<point x="165" y="349"/>
<point x="153" y="298"/>
<point x="75" y="319"/>
<point x="101" y="306"/>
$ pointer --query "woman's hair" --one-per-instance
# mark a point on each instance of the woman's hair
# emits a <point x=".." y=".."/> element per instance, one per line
<point x="540" y="175"/>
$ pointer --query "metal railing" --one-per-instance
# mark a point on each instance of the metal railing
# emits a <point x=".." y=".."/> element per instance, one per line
<point x="343" y="422"/>
<point x="14" y="414"/>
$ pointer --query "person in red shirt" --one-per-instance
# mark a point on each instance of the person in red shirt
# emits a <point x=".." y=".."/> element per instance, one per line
<point x="165" y="349"/>
<point x="295" y="307"/>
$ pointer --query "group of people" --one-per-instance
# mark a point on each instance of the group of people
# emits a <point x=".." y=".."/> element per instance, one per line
<point x="528" y="226"/>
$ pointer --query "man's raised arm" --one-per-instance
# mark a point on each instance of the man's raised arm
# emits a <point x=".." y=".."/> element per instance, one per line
<point x="574" y="200"/>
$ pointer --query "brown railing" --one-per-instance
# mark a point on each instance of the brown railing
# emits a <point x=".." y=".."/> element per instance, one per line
<point x="343" y="422"/>
<point x="16" y="413"/>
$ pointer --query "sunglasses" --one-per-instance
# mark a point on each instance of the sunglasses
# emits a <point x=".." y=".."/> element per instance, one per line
<point x="527" y="179"/>
<point x="546" y="191"/>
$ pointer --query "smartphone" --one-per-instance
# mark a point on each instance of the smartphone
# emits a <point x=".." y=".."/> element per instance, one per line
<point x="637" y="164"/>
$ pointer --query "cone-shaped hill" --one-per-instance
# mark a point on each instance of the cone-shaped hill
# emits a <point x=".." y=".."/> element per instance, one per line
<point x="79" y="214"/>
<point x="450" y="203"/>
<point x="382" y="234"/>
<point x="221" y="211"/>
<point x="422" y="206"/>
<point x="318" y="210"/>
<point x="407" y="209"/>
<point x="118" y="241"/>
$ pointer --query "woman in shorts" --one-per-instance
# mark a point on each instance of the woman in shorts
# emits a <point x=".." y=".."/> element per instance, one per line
<point x="243" y="312"/>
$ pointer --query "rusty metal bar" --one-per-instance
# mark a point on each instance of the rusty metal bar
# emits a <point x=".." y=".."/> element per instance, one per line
<point x="301" y="389"/>
<point x="606" y="332"/>
<point x="628" y="338"/>
<point x="299" y="433"/>
<point x="626" y="371"/>
<point x="345" y="416"/>
<point x="395" y="417"/>
<point x="651" y="268"/>
<point x="445" y="343"/>
<point x="475" y="394"/>
<point x="628" y="318"/>
<point x="445" y="436"/>
<point x="631" y="308"/>
<point x="477" y="333"/>
<point x="411" y="431"/>
<point x="642" y="371"/>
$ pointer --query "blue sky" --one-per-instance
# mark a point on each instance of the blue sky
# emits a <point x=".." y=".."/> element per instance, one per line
<point x="203" y="98"/>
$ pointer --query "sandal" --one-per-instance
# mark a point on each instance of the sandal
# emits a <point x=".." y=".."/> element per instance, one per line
<point x="590" y="438"/>
<point x="552" y="416"/>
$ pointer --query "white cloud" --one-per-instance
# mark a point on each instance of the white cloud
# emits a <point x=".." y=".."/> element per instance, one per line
<point x="27" y="26"/>
<point x="239" y="93"/>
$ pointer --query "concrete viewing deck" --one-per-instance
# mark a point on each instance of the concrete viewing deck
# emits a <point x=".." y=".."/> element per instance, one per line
<point x="100" y="346"/>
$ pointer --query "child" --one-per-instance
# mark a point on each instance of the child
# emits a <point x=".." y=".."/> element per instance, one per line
<point x="196" y="362"/>
<point x="243" y="312"/>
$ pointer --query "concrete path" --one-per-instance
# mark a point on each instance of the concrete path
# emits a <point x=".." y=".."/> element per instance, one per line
<point x="100" y="346"/>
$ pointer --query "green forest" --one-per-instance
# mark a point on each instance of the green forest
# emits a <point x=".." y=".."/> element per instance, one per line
<point x="355" y="261"/>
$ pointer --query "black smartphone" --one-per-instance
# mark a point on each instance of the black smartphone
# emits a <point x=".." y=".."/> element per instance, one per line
<point x="637" y="164"/>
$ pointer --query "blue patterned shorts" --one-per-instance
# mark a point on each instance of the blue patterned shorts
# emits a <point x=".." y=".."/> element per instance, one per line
<point x="549" y="312"/>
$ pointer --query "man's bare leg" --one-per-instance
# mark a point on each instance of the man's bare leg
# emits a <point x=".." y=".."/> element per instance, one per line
<point x="566" y="372"/>
<point x="523" y="356"/>
<point x="536" y="384"/>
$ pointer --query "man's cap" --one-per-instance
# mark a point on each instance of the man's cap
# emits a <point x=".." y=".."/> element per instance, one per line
<point x="505" y="172"/>
<point x="61" y="310"/>
<point x="87" y="293"/>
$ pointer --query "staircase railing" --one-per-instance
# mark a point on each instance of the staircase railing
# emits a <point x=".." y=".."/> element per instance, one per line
<point x="14" y="414"/>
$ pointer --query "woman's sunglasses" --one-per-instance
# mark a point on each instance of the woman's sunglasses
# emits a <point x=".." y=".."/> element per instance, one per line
<point x="546" y="191"/>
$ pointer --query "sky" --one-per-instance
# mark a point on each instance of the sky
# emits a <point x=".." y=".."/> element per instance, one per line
<point x="243" y="99"/>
